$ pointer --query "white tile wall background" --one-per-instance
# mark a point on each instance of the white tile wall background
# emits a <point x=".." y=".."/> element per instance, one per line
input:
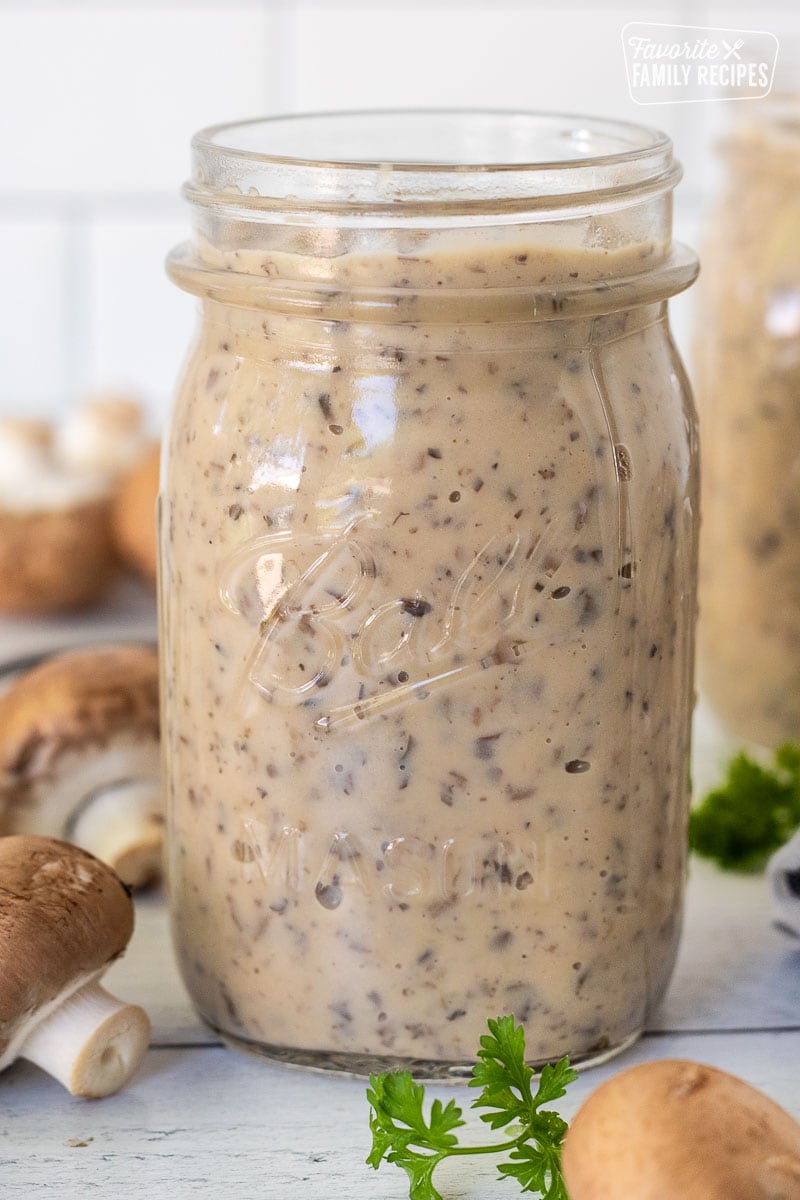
<point x="98" y="102"/>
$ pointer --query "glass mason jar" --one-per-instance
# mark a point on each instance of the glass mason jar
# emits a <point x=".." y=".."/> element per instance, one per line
<point x="747" y="357"/>
<point x="428" y="587"/>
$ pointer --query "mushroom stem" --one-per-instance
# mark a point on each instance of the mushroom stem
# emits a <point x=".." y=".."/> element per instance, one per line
<point x="124" y="827"/>
<point x="92" y="1043"/>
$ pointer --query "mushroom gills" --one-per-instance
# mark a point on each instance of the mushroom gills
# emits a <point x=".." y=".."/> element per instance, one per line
<point x="105" y="799"/>
<point x="122" y="824"/>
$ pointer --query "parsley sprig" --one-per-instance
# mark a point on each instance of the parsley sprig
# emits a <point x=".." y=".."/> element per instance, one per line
<point x="401" y="1134"/>
<point x="742" y="822"/>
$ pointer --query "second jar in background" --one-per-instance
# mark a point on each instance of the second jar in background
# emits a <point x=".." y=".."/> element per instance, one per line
<point x="748" y="384"/>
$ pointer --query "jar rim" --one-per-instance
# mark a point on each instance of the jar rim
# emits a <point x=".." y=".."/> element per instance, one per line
<point x="649" y="139"/>
<point x="390" y="160"/>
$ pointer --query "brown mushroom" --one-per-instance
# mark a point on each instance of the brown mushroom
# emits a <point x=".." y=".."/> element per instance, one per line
<point x="677" y="1130"/>
<point x="55" y="540"/>
<point x="64" y="917"/>
<point x="79" y="756"/>
<point x="134" y="514"/>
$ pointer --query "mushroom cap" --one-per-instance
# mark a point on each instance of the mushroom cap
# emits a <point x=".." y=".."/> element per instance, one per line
<point x="106" y="433"/>
<point x="64" y="916"/>
<point x="77" y="699"/>
<point x="134" y="515"/>
<point x="681" y="1130"/>
<point x="25" y="453"/>
<point x="116" y="412"/>
<point x="33" y="479"/>
<point x="27" y="439"/>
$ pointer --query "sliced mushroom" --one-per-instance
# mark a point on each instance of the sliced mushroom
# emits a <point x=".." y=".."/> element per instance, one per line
<point x="79" y="756"/>
<point x="64" y="917"/>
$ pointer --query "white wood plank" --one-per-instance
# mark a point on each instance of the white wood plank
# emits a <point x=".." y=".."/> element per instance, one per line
<point x="735" y="969"/>
<point x="148" y="975"/>
<point x="209" y="1122"/>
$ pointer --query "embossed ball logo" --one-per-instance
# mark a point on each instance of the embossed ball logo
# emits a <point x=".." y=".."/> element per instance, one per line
<point x="330" y="637"/>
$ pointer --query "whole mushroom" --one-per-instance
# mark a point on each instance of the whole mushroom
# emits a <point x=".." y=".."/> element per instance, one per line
<point x="678" y="1130"/>
<point x="79" y="756"/>
<point x="56" y="550"/>
<point x="64" y="917"/>
<point x="57" y="485"/>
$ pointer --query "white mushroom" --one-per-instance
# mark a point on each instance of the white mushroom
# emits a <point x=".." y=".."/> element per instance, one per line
<point x="678" y="1130"/>
<point x="79" y="756"/>
<point x="64" y="917"/>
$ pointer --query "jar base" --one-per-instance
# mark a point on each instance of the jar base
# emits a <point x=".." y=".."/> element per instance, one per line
<point x="361" y="1066"/>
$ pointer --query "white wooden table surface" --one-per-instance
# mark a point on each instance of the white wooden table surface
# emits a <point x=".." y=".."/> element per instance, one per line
<point x="200" y="1120"/>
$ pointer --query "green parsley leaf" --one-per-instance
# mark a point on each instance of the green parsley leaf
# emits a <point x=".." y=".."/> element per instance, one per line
<point x="397" y="1117"/>
<point x="402" y="1135"/>
<point x="502" y="1073"/>
<point x="536" y="1170"/>
<point x="753" y="813"/>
